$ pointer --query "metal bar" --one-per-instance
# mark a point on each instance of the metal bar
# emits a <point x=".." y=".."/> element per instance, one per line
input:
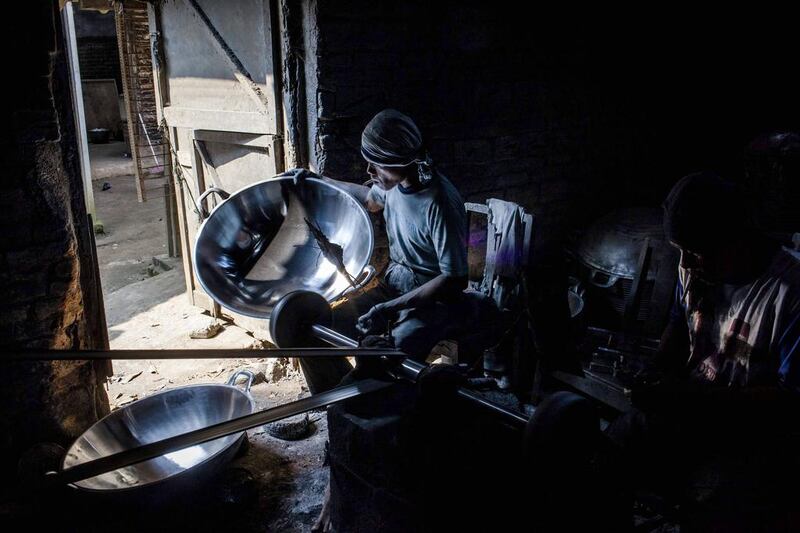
<point x="136" y="455"/>
<point x="410" y="370"/>
<point x="207" y="353"/>
<point x="513" y="417"/>
<point x="634" y="301"/>
<point x="594" y="390"/>
<point x="334" y="338"/>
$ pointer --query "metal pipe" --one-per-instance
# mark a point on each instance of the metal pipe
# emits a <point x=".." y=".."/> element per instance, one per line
<point x="136" y="455"/>
<point x="206" y="353"/>
<point x="334" y="338"/>
<point x="410" y="370"/>
<point x="512" y="417"/>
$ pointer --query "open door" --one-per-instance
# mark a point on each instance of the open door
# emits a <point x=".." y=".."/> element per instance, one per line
<point x="220" y="102"/>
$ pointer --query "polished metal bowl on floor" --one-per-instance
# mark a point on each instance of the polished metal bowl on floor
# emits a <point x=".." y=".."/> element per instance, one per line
<point x="158" y="417"/>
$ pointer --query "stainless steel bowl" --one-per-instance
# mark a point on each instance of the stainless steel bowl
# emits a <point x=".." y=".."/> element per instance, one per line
<point x="611" y="246"/>
<point x="256" y="246"/>
<point x="158" y="417"/>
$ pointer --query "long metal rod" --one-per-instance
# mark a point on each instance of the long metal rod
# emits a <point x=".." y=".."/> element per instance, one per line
<point x="136" y="455"/>
<point x="207" y="353"/>
<point x="334" y="338"/>
<point x="513" y="417"/>
<point x="410" y="370"/>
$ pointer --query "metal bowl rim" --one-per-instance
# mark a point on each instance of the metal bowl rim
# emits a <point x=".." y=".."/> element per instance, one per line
<point x="176" y="474"/>
<point x="361" y="208"/>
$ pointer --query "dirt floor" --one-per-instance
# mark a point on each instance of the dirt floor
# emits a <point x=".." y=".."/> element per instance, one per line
<point x="147" y="307"/>
<point x="109" y="160"/>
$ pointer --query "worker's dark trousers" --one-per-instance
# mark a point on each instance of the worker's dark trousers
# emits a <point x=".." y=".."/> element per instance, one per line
<point x="323" y="374"/>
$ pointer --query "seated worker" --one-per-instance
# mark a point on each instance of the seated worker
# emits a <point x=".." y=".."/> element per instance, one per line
<point x="737" y="308"/>
<point x="422" y="294"/>
<point x="720" y="426"/>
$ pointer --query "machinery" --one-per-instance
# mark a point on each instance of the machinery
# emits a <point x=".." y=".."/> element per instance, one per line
<point x="294" y="319"/>
<point x="282" y="253"/>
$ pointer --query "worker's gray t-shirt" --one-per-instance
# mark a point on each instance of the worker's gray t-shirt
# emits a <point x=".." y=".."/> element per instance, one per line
<point x="427" y="231"/>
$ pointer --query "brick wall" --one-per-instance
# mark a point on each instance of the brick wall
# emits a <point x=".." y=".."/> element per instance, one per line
<point x="45" y="253"/>
<point x="99" y="59"/>
<point x="98" y="54"/>
<point x="569" y="116"/>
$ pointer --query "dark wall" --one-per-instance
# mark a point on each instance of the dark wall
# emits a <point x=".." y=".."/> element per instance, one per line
<point x="49" y="291"/>
<point x="570" y="115"/>
<point x="98" y="54"/>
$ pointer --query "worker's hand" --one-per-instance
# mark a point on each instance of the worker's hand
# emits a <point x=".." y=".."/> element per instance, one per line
<point x="299" y="175"/>
<point x="376" y="320"/>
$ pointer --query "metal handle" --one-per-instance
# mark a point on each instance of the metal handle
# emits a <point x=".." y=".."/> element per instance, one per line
<point x="576" y="286"/>
<point x="363" y="279"/>
<point x="250" y="378"/>
<point x="211" y="190"/>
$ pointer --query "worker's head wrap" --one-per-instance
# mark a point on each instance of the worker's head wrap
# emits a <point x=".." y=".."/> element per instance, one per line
<point x="704" y="211"/>
<point x="391" y="139"/>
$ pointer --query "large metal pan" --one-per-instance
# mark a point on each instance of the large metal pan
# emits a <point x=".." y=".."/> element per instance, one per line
<point x="257" y="245"/>
<point x="157" y="417"/>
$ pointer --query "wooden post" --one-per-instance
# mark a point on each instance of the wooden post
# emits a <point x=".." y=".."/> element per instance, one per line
<point x="124" y="64"/>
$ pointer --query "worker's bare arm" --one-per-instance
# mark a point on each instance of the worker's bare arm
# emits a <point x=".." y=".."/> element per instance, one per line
<point x="360" y="192"/>
<point x="442" y="288"/>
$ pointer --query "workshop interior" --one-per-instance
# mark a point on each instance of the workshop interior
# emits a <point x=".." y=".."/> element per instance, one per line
<point x="352" y="266"/>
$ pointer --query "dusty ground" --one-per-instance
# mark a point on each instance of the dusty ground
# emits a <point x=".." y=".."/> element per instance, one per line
<point x="147" y="307"/>
<point x="109" y="160"/>
<point x="133" y="232"/>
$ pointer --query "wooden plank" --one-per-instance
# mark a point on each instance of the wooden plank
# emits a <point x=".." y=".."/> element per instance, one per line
<point x="201" y="299"/>
<point x="239" y="71"/>
<point x="476" y="208"/>
<point x="122" y="42"/>
<point x="173" y="215"/>
<point x="233" y="137"/>
<point x="157" y="58"/>
<point x="215" y="119"/>
<point x="200" y="149"/>
<point x="80" y="116"/>
<point x="168" y="219"/>
<point x="198" y="171"/>
<point x="273" y="82"/>
<point x="183" y="223"/>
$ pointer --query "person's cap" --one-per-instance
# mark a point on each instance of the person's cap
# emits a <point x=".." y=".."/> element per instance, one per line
<point x="703" y="211"/>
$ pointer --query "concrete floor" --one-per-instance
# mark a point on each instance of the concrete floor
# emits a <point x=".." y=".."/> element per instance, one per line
<point x="149" y="308"/>
<point x="133" y="232"/>
<point x="110" y="160"/>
